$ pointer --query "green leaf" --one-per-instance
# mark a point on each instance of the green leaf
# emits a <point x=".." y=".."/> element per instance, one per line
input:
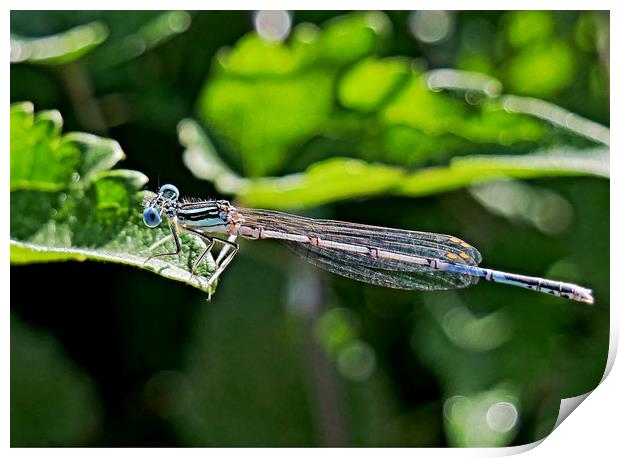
<point x="294" y="99"/>
<point x="336" y="179"/>
<point x="542" y="70"/>
<point x="66" y="203"/>
<point x="366" y="86"/>
<point x="292" y="109"/>
<point x="526" y="27"/>
<point x="254" y="57"/>
<point x="325" y="181"/>
<point x="265" y="99"/>
<point x="437" y="113"/>
<point x="465" y="171"/>
<point x="474" y="85"/>
<point x="153" y="33"/>
<point x="39" y="159"/>
<point x="348" y="38"/>
<point x="59" y="48"/>
<point x="270" y="105"/>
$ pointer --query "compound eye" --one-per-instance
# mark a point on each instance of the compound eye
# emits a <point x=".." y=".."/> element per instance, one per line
<point x="151" y="217"/>
<point x="169" y="191"/>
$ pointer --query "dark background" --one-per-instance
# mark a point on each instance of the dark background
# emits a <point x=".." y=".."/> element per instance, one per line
<point x="284" y="354"/>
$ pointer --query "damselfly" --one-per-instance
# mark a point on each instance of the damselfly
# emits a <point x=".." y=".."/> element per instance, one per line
<point x="392" y="258"/>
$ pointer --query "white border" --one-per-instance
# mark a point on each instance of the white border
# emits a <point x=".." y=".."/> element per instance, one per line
<point x="590" y="429"/>
<point x="309" y="5"/>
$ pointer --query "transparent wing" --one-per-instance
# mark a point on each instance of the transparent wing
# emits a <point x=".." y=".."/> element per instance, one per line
<point x="362" y="267"/>
<point x="390" y="274"/>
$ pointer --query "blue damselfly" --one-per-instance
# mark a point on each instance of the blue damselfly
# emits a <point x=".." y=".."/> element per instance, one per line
<point x="393" y="258"/>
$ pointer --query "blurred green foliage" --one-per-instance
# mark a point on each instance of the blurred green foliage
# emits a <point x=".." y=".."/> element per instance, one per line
<point x="362" y="111"/>
<point x="48" y="383"/>
<point x="270" y="103"/>
<point x="60" y="48"/>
